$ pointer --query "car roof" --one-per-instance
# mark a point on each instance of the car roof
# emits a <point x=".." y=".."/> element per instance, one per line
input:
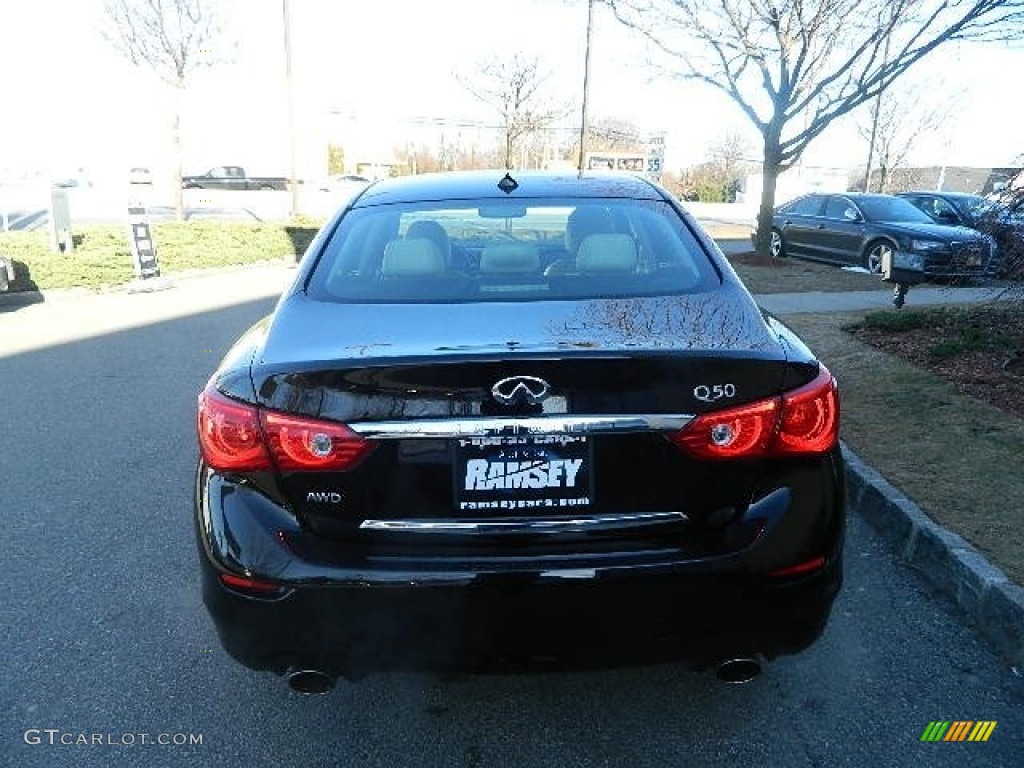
<point x="472" y="185"/>
<point x="856" y="196"/>
<point x="951" y="195"/>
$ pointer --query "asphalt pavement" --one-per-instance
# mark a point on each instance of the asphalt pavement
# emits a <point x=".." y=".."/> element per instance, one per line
<point x="105" y="637"/>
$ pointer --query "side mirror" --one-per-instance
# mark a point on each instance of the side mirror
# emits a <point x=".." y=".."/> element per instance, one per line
<point x="851" y="215"/>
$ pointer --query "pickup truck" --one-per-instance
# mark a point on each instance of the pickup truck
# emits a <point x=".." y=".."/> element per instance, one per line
<point x="232" y="177"/>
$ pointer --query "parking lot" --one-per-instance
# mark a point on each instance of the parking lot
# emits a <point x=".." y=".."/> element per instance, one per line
<point x="105" y="633"/>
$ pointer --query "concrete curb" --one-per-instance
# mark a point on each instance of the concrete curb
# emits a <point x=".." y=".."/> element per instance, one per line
<point x="993" y="603"/>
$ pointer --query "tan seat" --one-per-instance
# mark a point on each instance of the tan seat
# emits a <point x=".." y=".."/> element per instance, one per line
<point x="510" y="259"/>
<point x="584" y="221"/>
<point x="602" y="254"/>
<point x="417" y="257"/>
<point x="428" y="229"/>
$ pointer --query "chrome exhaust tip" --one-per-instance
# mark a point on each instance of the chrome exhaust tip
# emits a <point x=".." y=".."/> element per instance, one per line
<point x="738" y="671"/>
<point x="309" y="681"/>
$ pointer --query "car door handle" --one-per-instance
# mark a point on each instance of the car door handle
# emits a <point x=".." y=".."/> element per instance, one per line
<point x="821" y="226"/>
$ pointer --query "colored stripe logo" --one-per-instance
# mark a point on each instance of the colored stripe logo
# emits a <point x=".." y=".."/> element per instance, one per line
<point x="958" y="730"/>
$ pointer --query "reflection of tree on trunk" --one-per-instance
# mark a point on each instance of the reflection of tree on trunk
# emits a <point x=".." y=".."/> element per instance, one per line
<point x="793" y="68"/>
<point x="173" y="39"/>
<point x="702" y="321"/>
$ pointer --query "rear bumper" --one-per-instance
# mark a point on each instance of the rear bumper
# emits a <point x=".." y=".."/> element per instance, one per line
<point x="377" y="612"/>
<point x="346" y="631"/>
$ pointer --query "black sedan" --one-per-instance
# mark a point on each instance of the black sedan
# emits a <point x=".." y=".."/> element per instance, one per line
<point x="860" y="229"/>
<point x="512" y="421"/>
<point x="954" y="209"/>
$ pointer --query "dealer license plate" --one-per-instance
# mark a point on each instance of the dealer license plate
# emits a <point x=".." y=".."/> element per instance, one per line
<point x="517" y="474"/>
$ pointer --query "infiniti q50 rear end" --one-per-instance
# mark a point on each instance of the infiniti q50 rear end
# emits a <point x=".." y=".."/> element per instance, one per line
<point x="493" y="423"/>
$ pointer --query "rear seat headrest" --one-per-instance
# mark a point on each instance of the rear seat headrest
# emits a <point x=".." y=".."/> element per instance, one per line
<point x="607" y="253"/>
<point x="407" y="258"/>
<point x="513" y="258"/>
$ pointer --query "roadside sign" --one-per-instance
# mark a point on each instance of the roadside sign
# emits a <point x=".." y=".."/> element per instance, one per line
<point x="655" y="156"/>
<point x="140" y="240"/>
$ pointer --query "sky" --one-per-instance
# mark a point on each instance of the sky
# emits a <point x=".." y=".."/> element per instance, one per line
<point x="379" y="72"/>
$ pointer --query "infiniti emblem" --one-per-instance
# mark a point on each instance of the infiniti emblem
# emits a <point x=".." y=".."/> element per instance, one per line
<point x="520" y="390"/>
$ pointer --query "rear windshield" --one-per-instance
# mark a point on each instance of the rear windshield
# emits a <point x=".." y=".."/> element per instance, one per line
<point x="490" y="250"/>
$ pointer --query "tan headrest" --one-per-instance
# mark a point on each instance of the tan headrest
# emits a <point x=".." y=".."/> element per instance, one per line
<point x="406" y="258"/>
<point x="514" y="258"/>
<point x="607" y="253"/>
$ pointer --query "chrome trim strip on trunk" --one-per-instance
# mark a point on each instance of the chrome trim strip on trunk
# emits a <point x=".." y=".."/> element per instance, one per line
<point x="525" y="525"/>
<point x="535" y="425"/>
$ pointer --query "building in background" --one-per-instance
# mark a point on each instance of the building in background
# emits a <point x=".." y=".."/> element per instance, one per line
<point x="800" y="180"/>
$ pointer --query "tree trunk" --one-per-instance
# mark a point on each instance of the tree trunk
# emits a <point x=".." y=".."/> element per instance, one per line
<point x="770" y="169"/>
<point x="179" y="207"/>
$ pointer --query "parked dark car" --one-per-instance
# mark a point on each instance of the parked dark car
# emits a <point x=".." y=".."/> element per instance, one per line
<point x="232" y="177"/>
<point x="999" y="220"/>
<point x="500" y="420"/>
<point x="858" y="229"/>
<point x="954" y="209"/>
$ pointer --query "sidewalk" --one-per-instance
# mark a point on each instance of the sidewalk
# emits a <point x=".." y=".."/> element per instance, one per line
<point x="852" y="301"/>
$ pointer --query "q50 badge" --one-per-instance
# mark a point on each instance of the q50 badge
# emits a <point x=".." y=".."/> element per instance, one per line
<point x="709" y="393"/>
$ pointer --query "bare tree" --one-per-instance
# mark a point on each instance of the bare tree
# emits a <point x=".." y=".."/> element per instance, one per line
<point x="172" y="38"/>
<point x="515" y="88"/>
<point x="730" y="153"/>
<point x="899" y="118"/>
<point x="794" y="67"/>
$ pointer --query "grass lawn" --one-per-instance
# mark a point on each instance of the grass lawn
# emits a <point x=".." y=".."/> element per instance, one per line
<point x="101" y="258"/>
<point x="958" y="457"/>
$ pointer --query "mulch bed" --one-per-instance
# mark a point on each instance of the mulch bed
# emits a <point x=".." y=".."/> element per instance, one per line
<point x="751" y="259"/>
<point x="995" y="375"/>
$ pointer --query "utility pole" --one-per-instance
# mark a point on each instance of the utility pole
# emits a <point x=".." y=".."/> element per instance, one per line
<point x="293" y="182"/>
<point x="586" y="82"/>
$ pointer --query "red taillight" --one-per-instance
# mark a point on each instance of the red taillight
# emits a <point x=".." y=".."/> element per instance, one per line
<point x="237" y="437"/>
<point x="251" y="586"/>
<point x="803" y="421"/>
<point x="809" y="420"/>
<point x="302" y="444"/>
<point x="814" y="564"/>
<point x="735" y="433"/>
<point x="229" y="434"/>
